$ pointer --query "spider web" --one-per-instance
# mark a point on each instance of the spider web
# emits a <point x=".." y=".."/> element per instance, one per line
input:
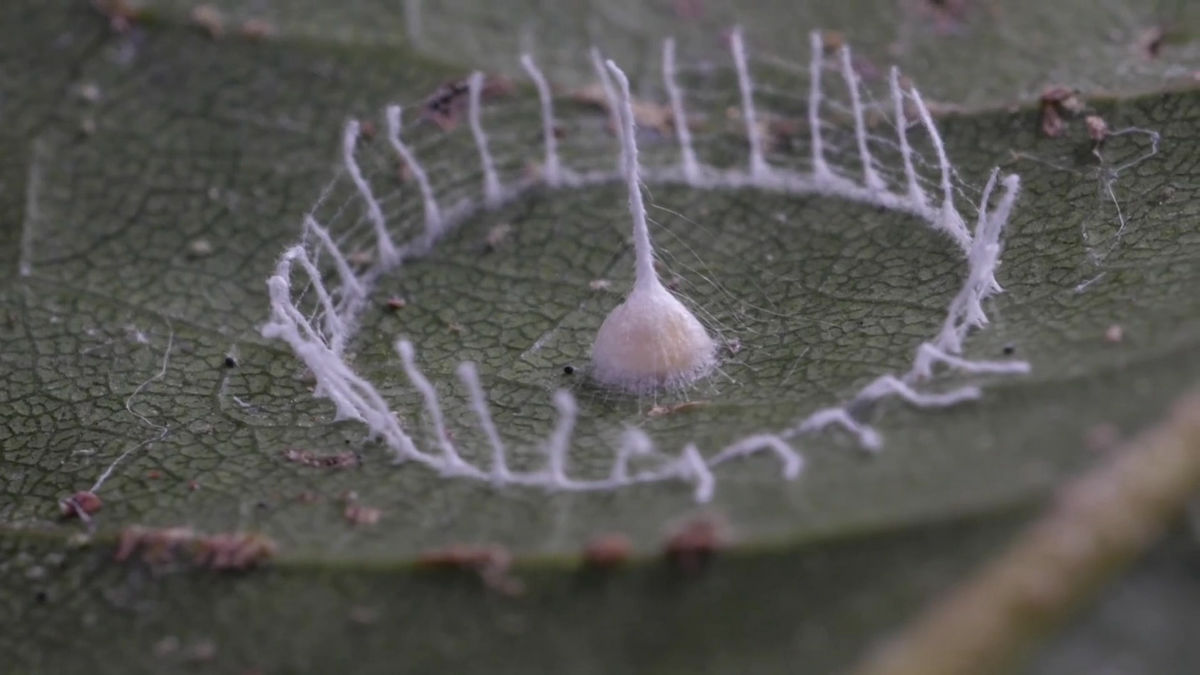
<point x="841" y="142"/>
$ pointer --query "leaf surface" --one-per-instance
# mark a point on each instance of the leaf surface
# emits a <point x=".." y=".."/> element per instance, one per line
<point x="149" y="180"/>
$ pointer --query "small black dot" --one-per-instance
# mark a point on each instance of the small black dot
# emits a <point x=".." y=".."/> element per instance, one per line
<point x="41" y="596"/>
<point x="568" y="370"/>
<point x="230" y="362"/>
<point x="1009" y="348"/>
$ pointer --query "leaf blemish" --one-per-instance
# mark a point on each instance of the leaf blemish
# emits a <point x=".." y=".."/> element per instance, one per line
<point x="446" y="106"/>
<point x="357" y="514"/>
<point x="236" y="551"/>
<point x="491" y="563"/>
<point x="1057" y="101"/>
<point x="80" y="505"/>
<point x="694" y="543"/>
<point x="339" y="460"/>
<point x="607" y="551"/>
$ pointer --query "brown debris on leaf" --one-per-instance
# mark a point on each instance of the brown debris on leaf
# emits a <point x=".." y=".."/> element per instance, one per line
<point x="80" y="505"/>
<point x="447" y="105"/>
<point x="1097" y="128"/>
<point x="495" y="86"/>
<point x="1056" y="102"/>
<point x="338" y="460"/>
<point x="490" y="563"/>
<point x="695" y="542"/>
<point x="832" y="40"/>
<point x="774" y="131"/>
<point x="1053" y="125"/>
<point x="357" y="514"/>
<point x="606" y="551"/>
<point x="646" y="115"/>
<point x="1052" y="122"/>
<point x="232" y="551"/>
<point x="158" y="546"/>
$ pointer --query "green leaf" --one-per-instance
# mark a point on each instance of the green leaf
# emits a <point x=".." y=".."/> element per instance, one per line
<point x="961" y="53"/>
<point x="150" y="179"/>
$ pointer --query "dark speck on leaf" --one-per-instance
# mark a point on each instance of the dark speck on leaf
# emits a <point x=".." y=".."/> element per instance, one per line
<point x="568" y="370"/>
<point x="230" y="362"/>
<point x="41" y="596"/>
<point x="1009" y="349"/>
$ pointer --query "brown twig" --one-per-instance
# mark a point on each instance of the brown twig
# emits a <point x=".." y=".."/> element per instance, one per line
<point x="1099" y="524"/>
